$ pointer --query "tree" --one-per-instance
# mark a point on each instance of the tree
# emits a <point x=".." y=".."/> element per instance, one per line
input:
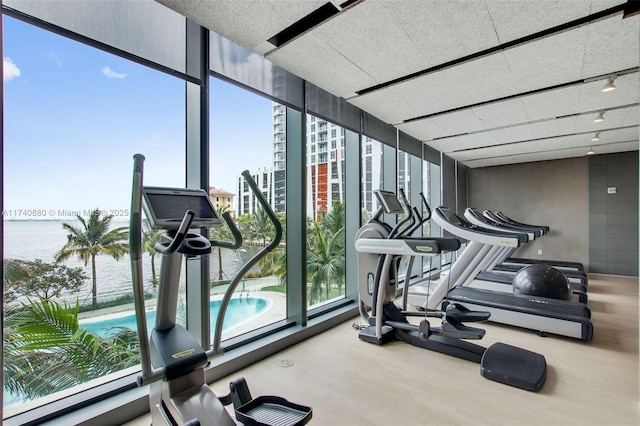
<point x="220" y="233"/>
<point x="260" y="226"/>
<point x="325" y="260"/>
<point x="47" y="351"/>
<point x="12" y="271"/>
<point x="90" y="240"/>
<point x="150" y="238"/>
<point x="45" y="280"/>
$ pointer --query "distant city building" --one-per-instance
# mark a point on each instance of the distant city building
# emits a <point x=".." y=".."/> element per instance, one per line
<point x="222" y="200"/>
<point x="371" y="172"/>
<point x="247" y="202"/>
<point x="325" y="168"/>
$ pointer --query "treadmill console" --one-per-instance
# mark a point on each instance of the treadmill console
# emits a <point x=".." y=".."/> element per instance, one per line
<point x="449" y="215"/>
<point x="389" y="201"/>
<point x="165" y="207"/>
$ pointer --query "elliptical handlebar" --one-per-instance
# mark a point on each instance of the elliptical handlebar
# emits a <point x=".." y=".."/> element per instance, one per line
<point x="237" y="237"/>
<point x="268" y="210"/>
<point x="426" y="206"/>
<point x="395" y="232"/>
<point x="149" y="374"/>
<point x="179" y="237"/>
<point x="217" y="336"/>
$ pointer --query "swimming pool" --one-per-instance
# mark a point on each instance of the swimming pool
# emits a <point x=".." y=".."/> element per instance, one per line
<point x="239" y="311"/>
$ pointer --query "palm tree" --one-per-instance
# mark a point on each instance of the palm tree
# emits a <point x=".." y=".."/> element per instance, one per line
<point x="221" y="233"/>
<point x="151" y="237"/>
<point x="92" y="239"/>
<point x="260" y="227"/>
<point x="47" y="351"/>
<point x="333" y="224"/>
<point x="325" y="260"/>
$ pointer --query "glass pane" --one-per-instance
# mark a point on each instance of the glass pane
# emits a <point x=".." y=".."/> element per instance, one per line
<point x="372" y="174"/>
<point x="431" y="191"/>
<point x="74" y="117"/>
<point x="247" y="133"/>
<point x="325" y="212"/>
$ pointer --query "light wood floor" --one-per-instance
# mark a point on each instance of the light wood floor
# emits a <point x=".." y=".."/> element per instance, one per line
<point x="350" y="382"/>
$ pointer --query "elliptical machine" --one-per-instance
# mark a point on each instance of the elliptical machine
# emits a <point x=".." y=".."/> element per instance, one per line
<point x="172" y="360"/>
<point x="379" y="248"/>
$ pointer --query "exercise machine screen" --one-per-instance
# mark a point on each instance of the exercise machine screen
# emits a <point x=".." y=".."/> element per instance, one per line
<point x="165" y="207"/>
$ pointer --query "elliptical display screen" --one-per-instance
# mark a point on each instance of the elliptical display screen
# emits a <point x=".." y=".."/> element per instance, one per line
<point x="165" y="207"/>
<point x="389" y="202"/>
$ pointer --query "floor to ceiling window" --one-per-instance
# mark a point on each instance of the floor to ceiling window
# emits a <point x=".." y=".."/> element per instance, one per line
<point x="247" y="132"/>
<point x="325" y="170"/>
<point x="73" y="118"/>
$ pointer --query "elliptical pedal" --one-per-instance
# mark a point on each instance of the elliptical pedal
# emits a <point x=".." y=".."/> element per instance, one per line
<point x="514" y="366"/>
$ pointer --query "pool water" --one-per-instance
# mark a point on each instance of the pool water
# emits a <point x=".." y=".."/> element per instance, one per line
<point x="238" y="311"/>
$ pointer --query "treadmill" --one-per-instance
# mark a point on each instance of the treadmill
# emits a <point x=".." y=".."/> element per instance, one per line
<point x="545" y="315"/>
<point x="501" y="219"/>
<point x="494" y="272"/>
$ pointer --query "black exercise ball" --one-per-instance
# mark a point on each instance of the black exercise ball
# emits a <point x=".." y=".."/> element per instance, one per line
<point x="542" y="280"/>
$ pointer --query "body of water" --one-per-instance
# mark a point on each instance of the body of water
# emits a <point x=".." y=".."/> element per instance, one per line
<point x="42" y="239"/>
<point x="239" y="310"/>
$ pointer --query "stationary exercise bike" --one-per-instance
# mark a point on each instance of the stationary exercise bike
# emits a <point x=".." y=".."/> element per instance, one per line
<point x="379" y="248"/>
<point x="172" y="360"/>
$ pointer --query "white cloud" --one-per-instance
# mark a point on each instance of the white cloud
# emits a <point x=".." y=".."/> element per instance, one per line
<point x="10" y="70"/>
<point x="109" y="73"/>
<point x="55" y="58"/>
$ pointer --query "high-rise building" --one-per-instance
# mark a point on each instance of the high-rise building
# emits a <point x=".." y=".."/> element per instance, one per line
<point x="325" y="168"/>
<point x="247" y="202"/>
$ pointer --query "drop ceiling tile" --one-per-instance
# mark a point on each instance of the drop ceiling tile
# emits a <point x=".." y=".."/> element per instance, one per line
<point x="550" y="104"/>
<point x="422" y="129"/>
<point x="442" y="30"/>
<point x="629" y="116"/>
<point x="248" y="23"/>
<point x="548" y="61"/>
<point x="500" y="114"/>
<point x="612" y="45"/>
<point x="466" y="84"/>
<point x="463" y="142"/>
<point x="312" y="59"/>
<point x="517" y="19"/>
<point x="627" y="92"/>
<point x="536" y="130"/>
<point x="385" y="105"/>
<point x="459" y="122"/>
<point x="367" y="36"/>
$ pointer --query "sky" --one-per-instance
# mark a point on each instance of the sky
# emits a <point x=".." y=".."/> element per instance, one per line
<point x="75" y="115"/>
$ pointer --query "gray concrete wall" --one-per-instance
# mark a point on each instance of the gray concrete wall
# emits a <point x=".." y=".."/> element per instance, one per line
<point x="613" y="208"/>
<point x="553" y="193"/>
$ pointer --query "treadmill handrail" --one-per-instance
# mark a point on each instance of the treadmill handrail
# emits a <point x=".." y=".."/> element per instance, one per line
<point x="471" y="232"/>
<point x="477" y="219"/>
<point x="505" y="219"/>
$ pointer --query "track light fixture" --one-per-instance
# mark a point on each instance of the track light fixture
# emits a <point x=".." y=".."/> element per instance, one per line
<point x="600" y="117"/>
<point x="609" y="86"/>
<point x="596" y="137"/>
<point x="591" y="151"/>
